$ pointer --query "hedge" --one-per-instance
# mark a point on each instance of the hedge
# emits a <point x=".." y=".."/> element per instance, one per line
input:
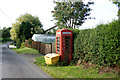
<point x="100" y="45"/>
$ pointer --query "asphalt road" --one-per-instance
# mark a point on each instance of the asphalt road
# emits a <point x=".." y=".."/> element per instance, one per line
<point x="16" y="66"/>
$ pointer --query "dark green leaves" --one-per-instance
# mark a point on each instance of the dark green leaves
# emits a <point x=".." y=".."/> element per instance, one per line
<point x="100" y="45"/>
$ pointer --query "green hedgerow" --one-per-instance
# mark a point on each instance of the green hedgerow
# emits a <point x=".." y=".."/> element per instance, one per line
<point x="100" y="45"/>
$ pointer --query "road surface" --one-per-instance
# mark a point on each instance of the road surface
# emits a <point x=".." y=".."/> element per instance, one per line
<point x="16" y="66"/>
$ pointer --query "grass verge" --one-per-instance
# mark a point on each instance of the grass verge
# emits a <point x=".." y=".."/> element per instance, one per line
<point x="26" y="50"/>
<point x="72" y="71"/>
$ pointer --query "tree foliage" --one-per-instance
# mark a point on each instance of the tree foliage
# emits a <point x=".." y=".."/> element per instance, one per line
<point x="71" y="14"/>
<point x="14" y="31"/>
<point x="25" y="31"/>
<point x="25" y="26"/>
<point x="33" y="20"/>
<point x="0" y="33"/>
<point x="5" y="32"/>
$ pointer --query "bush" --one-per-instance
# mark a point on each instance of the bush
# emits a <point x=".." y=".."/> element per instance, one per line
<point x="100" y="45"/>
<point x="30" y="41"/>
<point x="23" y="45"/>
<point x="18" y="43"/>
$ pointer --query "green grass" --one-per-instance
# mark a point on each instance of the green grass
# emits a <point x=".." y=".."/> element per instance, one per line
<point x="71" y="71"/>
<point x="26" y="50"/>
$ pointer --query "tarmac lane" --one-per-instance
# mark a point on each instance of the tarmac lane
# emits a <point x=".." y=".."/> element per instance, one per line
<point x="15" y="66"/>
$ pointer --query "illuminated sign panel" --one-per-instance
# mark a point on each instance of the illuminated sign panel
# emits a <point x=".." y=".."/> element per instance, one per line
<point x="66" y="32"/>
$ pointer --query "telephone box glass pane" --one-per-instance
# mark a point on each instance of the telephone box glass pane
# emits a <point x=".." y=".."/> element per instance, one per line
<point x="58" y="37"/>
<point x="58" y="45"/>
<point x="66" y="47"/>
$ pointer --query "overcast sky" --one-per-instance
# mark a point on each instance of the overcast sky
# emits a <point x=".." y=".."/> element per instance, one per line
<point x="103" y="10"/>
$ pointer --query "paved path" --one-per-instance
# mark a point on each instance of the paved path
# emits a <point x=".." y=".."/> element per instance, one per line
<point x="16" y="66"/>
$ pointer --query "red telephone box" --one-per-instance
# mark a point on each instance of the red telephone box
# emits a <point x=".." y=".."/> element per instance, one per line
<point x="64" y="44"/>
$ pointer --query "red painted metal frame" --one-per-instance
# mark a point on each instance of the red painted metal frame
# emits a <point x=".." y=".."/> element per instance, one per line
<point x="59" y="33"/>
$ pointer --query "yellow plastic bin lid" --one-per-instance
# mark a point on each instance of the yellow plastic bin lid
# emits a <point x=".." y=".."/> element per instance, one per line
<point x="51" y="55"/>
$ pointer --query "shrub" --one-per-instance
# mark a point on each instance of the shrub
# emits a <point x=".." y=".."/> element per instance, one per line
<point x="100" y="45"/>
<point x="18" y="43"/>
<point x="30" y="41"/>
<point x="23" y="45"/>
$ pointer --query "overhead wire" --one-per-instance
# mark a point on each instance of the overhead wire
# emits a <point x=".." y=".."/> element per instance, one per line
<point x="5" y="15"/>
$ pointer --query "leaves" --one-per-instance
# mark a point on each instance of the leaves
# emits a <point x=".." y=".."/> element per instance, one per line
<point x="70" y="14"/>
<point x="5" y="32"/>
<point x="25" y="26"/>
<point x="100" y="45"/>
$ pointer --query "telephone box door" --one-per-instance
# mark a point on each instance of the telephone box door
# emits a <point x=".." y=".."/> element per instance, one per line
<point x="66" y="48"/>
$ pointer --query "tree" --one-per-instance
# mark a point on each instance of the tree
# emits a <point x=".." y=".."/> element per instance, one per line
<point x="33" y="20"/>
<point x="0" y="33"/>
<point x="25" y="31"/>
<point x="14" y="31"/>
<point x="71" y="14"/>
<point x="24" y="22"/>
<point x="6" y="32"/>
